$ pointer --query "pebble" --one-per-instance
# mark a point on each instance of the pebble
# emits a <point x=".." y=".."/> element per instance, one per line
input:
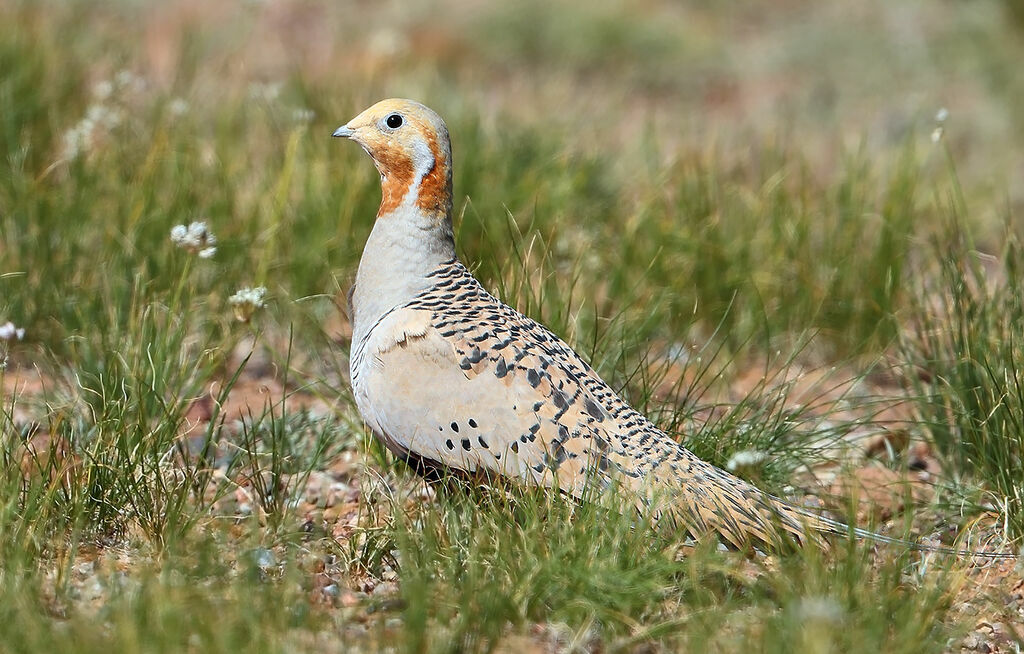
<point x="264" y="558"/>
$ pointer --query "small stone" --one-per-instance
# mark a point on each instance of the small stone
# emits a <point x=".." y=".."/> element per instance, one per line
<point x="264" y="558"/>
<point x="972" y="641"/>
<point x="386" y="588"/>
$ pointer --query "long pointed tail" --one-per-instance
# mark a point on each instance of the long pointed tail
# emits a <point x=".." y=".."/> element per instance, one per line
<point x="707" y="499"/>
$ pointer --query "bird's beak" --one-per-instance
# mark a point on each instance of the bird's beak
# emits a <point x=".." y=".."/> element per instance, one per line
<point x="344" y="132"/>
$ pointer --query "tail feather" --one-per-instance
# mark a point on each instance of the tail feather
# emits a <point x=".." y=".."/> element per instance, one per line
<point x="821" y="524"/>
<point x="708" y="499"/>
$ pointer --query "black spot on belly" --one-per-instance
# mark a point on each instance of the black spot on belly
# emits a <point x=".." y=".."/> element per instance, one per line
<point x="465" y="444"/>
<point x="455" y="427"/>
<point x="533" y="377"/>
<point x="500" y="369"/>
<point x="515" y="446"/>
<point x="450" y="444"/>
<point x="472" y="423"/>
<point x="483" y="443"/>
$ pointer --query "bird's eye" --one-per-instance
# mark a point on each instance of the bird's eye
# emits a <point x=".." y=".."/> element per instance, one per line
<point x="394" y="121"/>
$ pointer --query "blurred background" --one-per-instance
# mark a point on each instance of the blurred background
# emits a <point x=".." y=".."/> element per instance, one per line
<point x="614" y="118"/>
<point x="600" y="75"/>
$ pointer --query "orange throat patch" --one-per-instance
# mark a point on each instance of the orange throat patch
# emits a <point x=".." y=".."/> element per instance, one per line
<point x="433" y="195"/>
<point x="396" y="180"/>
<point x="435" y="187"/>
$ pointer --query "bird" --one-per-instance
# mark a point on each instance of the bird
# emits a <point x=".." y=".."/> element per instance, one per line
<point x="450" y="378"/>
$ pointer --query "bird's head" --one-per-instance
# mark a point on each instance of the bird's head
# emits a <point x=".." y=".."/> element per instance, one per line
<point x="409" y="145"/>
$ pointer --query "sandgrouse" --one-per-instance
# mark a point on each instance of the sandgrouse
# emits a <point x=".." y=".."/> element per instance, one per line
<point x="450" y="377"/>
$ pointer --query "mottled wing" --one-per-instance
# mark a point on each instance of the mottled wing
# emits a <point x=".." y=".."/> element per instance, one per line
<point x="491" y="416"/>
<point x="462" y="379"/>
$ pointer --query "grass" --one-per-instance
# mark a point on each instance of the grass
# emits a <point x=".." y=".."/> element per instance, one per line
<point x="965" y="358"/>
<point x="171" y="478"/>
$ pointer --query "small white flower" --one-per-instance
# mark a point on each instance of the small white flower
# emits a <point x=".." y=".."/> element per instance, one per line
<point x="745" y="460"/>
<point x="179" y="233"/>
<point x="100" y="114"/>
<point x="129" y="81"/>
<point x="246" y="301"/>
<point x="177" y="107"/>
<point x="941" y="116"/>
<point x="103" y="90"/>
<point x="9" y="332"/>
<point x="302" y="115"/>
<point x="78" y="139"/>
<point x="196" y="239"/>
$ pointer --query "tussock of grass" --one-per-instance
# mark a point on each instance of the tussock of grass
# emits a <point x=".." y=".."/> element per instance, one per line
<point x="967" y="354"/>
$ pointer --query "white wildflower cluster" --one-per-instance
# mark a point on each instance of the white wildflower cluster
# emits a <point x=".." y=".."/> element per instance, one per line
<point x="127" y="81"/>
<point x="941" y="116"/>
<point x="8" y="332"/>
<point x="196" y="238"/>
<point x="302" y="115"/>
<point x="82" y="136"/>
<point x="246" y="301"/>
<point x="746" y="461"/>
<point x="103" y="115"/>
